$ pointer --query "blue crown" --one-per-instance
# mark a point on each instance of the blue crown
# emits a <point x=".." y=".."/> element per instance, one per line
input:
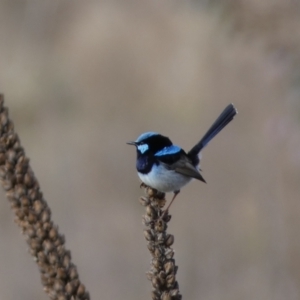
<point x="145" y="136"/>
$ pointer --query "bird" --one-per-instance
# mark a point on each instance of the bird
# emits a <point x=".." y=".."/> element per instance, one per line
<point x="166" y="167"/>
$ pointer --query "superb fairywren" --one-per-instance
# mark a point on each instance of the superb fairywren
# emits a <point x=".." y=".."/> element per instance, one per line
<point x="166" y="167"/>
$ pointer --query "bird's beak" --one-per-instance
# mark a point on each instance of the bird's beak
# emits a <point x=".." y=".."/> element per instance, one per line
<point x="131" y="143"/>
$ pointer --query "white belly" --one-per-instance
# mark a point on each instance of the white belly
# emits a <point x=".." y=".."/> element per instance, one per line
<point x="164" y="180"/>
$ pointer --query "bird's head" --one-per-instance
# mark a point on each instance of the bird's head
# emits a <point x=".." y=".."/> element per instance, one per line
<point x="150" y="142"/>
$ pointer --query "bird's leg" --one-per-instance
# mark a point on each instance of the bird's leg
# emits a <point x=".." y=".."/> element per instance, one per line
<point x="168" y="207"/>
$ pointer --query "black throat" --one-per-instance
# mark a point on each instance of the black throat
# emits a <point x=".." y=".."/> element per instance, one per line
<point x="146" y="160"/>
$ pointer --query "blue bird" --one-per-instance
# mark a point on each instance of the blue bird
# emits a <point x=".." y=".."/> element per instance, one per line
<point x="166" y="167"/>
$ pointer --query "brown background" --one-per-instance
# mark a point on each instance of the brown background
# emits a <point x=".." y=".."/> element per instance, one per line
<point x="81" y="78"/>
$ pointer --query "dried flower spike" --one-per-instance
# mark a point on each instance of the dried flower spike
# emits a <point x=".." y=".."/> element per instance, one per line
<point x="163" y="269"/>
<point x="58" y="274"/>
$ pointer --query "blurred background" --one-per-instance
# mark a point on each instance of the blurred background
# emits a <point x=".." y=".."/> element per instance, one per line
<point x="82" y="78"/>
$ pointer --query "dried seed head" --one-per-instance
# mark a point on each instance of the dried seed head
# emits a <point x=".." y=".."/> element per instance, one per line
<point x="4" y="117"/>
<point x="47" y="226"/>
<point x="73" y="273"/>
<point x="160" y="195"/>
<point x="169" y="240"/>
<point x="60" y="240"/>
<point x="25" y="201"/>
<point x="163" y="269"/>
<point x="66" y="260"/>
<point x="162" y="277"/>
<point x="41" y="256"/>
<point x="19" y="178"/>
<point x="48" y="246"/>
<point x="7" y="184"/>
<point x="156" y="263"/>
<point x="10" y="177"/>
<point x="149" y="275"/>
<point x="167" y="217"/>
<point x="151" y="247"/>
<point x="53" y="258"/>
<point x="81" y="290"/>
<point x="45" y="216"/>
<point x="10" y="194"/>
<point x="34" y="244"/>
<point x="166" y="296"/>
<point x="22" y="164"/>
<point x="29" y="179"/>
<point x="40" y="233"/>
<point x="38" y="206"/>
<point x="32" y="218"/>
<point x="161" y="202"/>
<point x="33" y="252"/>
<point x="70" y="288"/>
<point x="53" y="233"/>
<point x="160" y="225"/>
<point x="150" y="192"/>
<point x="9" y="166"/>
<point x="170" y="280"/>
<point x="161" y="237"/>
<point x="144" y="201"/>
<point x="30" y="232"/>
<point x="61" y="273"/>
<point x="34" y="193"/>
<point x="174" y="293"/>
<point x="20" y="191"/>
<point x="11" y="156"/>
<point x="155" y="295"/>
<point x="2" y="158"/>
<point x="169" y="267"/>
<point x="158" y="252"/>
<point x="3" y="172"/>
<point x="156" y="282"/>
<point x="147" y="220"/>
<point x="150" y="212"/>
<point x="58" y="286"/>
<point x="169" y="253"/>
<point x="148" y="235"/>
<point x="14" y="204"/>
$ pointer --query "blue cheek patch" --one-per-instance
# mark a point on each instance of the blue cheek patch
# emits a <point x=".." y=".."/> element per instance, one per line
<point x="168" y="150"/>
<point x="143" y="148"/>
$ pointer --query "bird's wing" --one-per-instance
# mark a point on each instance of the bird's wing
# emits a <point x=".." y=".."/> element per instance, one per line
<point x="184" y="166"/>
<point x="174" y="158"/>
<point x="187" y="169"/>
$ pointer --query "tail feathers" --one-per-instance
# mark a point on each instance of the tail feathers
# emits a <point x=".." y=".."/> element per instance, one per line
<point x="225" y="117"/>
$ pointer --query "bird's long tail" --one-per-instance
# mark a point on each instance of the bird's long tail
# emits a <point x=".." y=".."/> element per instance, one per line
<point x="225" y="117"/>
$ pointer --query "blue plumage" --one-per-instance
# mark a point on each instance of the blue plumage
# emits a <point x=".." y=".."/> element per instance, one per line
<point x="166" y="167"/>
<point x="168" y="150"/>
<point x="145" y="136"/>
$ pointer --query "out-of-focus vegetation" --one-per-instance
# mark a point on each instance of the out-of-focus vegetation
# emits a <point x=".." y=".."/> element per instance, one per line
<point x="82" y="78"/>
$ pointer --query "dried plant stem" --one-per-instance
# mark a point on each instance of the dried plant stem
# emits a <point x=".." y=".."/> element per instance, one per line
<point x="163" y="269"/>
<point x="59" y="275"/>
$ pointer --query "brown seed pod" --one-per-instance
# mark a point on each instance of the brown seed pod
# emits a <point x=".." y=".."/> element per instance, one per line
<point x="81" y="290"/>
<point x="148" y="235"/>
<point x="169" y="240"/>
<point x="166" y="296"/>
<point x="169" y="267"/>
<point x="155" y="295"/>
<point x="160" y="225"/>
<point x="144" y="201"/>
